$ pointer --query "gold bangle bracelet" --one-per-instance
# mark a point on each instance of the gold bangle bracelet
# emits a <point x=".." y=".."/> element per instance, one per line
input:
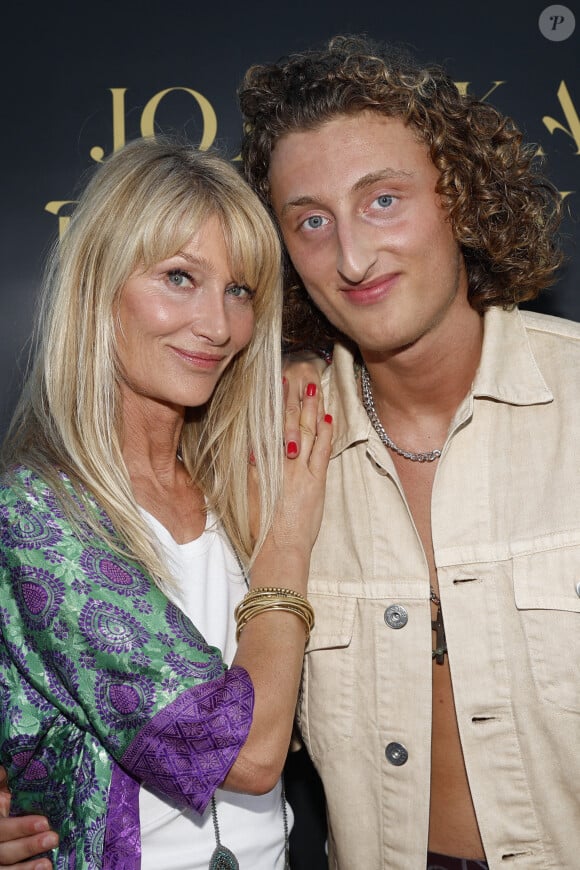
<point x="268" y="598"/>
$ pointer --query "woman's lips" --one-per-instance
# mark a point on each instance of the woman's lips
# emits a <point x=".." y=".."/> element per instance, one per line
<point x="198" y="359"/>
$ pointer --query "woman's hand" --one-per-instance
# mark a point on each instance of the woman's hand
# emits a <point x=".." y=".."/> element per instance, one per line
<point x="300" y="370"/>
<point x="22" y="837"/>
<point x="271" y="644"/>
<point x="299" y="513"/>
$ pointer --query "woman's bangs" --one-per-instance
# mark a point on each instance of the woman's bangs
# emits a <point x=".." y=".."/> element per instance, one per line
<point x="172" y="231"/>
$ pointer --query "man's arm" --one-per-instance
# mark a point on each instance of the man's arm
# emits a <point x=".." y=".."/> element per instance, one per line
<point x="23" y="837"/>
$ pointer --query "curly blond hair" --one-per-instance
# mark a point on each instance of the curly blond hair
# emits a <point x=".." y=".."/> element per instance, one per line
<point x="504" y="212"/>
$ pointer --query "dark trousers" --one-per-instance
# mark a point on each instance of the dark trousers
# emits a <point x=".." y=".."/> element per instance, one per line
<point x="445" y="862"/>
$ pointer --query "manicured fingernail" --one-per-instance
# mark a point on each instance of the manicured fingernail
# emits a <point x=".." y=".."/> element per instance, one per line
<point x="292" y="448"/>
<point x="311" y="390"/>
<point x="283" y="379"/>
<point x="328" y="418"/>
<point x="252" y="458"/>
<point x="41" y="825"/>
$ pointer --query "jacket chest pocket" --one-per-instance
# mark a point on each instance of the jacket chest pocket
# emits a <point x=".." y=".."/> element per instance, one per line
<point x="547" y="594"/>
<point x="329" y="675"/>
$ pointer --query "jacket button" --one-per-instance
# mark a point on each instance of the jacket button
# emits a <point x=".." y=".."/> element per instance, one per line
<point x="578" y="589"/>
<point x="396" y="616"/>
<point x="396" y="754"/>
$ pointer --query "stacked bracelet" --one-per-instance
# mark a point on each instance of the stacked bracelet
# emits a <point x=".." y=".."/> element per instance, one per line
<point x="267" y="598"/>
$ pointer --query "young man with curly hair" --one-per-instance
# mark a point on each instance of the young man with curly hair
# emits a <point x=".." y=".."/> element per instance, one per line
<point x="441" y="696"/>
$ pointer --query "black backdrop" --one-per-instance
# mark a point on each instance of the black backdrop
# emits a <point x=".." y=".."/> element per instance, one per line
<point x="80" y="78"/>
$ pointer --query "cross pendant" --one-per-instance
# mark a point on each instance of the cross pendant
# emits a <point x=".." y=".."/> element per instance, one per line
<point x="440" y="641"/>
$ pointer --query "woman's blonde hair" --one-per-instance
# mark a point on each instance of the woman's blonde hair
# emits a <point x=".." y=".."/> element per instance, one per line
<point x="141" y="206"/>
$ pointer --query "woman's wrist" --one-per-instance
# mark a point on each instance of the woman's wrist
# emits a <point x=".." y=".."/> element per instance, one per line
<point x="265" y="599"/>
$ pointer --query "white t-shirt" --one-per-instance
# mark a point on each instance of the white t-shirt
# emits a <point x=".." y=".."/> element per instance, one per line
<point x="210" y="585"/>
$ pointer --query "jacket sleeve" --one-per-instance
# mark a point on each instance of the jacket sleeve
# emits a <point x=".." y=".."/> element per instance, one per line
<point x="94" y="636"/>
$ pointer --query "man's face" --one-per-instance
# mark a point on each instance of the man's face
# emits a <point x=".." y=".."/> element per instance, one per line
<point x="364" y="227"/>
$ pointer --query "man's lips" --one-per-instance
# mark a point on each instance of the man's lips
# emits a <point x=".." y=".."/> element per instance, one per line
<point x="370" y="291"/>
<point x="199" y="359"/>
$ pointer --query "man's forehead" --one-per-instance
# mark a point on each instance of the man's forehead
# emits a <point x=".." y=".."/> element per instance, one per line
<point x="347" y="154"/>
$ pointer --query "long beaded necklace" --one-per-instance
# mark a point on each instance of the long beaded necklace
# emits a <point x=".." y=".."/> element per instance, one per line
<point x="223" y="858"/>
<point x="368" y="402"/>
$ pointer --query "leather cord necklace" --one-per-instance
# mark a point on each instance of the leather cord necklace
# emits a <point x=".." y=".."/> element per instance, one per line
<point x="439" y="629"/>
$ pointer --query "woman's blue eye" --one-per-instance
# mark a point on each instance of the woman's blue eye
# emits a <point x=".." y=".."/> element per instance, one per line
<point x="179" y="278"/>
<point x="239" y="291"/>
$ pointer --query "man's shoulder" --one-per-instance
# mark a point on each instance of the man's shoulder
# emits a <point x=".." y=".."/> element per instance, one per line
<point x="551" y="326"/>
<point x="555" y="346"/>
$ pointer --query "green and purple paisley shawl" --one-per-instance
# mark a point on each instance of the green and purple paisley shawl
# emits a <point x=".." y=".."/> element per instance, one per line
<point x="104" y="684"/>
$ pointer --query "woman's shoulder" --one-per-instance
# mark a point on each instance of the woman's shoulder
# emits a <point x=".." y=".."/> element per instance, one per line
<point x="20" y="486"/>
<point x="39" y="513"/>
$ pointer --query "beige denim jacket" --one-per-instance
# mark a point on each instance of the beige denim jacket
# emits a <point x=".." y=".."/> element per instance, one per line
<point x="506" y="537"/>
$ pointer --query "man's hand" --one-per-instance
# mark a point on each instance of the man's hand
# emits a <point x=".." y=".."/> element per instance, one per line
<point x="22" y="837"/>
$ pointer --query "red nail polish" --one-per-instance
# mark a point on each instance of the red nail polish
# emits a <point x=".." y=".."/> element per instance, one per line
<point x="292" y="448"/>
<point x="283" y="379"/>
<point x="252" y="458"/>
<point x="311" y="390"/>
<point x="328" y="418"/>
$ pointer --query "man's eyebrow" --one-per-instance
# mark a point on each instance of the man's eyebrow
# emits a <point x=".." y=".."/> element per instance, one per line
<point x="387" y="174"/>
<point x="299" y="201"/>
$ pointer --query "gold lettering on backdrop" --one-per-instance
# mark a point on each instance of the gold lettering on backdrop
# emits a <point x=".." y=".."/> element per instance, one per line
<point x="463" y="87"/>
<point x="119" y="138"/>
<point x="54" y="207"/>
<point x="207" y="113"/>
<point x="570" y="114"/>
<point x="209" y="133"/>
<point x="148" y="119"/>
<point x="97" y="153"/>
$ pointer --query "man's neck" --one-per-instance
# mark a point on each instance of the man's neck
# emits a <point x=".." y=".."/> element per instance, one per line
<point x="430" y="378"/>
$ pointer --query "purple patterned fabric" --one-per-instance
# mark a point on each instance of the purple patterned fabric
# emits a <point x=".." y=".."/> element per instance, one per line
<point x="188" y="748"/>
<point x="122" y="847"/>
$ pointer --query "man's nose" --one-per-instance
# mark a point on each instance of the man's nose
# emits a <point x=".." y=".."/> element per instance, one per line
<point x="356" y="253"/>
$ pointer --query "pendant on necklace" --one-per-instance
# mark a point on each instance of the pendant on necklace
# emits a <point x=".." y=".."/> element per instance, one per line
<point x="440" y="642"/>
<point x="223" y="859"/>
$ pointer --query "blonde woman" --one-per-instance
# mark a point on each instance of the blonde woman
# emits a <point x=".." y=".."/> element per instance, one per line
<point x="126" y="540"/>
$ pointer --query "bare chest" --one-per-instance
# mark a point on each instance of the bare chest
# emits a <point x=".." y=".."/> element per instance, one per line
<point x="453" y="826"/>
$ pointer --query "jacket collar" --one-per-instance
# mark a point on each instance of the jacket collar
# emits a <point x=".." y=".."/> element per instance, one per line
<point x="507" y="373"/>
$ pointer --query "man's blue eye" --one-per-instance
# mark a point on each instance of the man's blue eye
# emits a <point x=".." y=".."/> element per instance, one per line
<point x="385" y="200"/>
<point x="314" y="222"/>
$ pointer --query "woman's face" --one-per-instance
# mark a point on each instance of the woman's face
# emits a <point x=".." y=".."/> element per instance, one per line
<point x="181" y="322"/>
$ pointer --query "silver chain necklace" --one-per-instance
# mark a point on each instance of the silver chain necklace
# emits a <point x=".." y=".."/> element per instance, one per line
<point x="369" y="406"/>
